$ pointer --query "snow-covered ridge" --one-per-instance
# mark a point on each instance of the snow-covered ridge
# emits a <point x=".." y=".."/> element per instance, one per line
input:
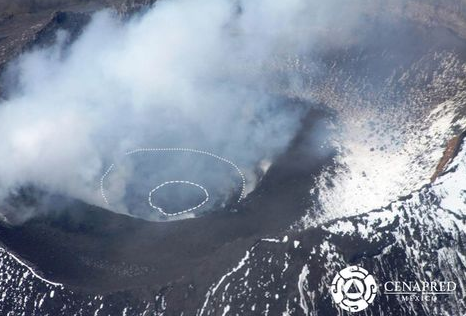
<point x="387" y="147"/>
<point x="415" y="238"/>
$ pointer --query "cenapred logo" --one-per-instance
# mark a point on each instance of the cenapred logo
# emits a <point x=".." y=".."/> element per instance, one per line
<point x="353" y="289"/>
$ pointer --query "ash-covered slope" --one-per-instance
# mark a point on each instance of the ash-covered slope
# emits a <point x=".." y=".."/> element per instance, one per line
<point x="420" y="237"/>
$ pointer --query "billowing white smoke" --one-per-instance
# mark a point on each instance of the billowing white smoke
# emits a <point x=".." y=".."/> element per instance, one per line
<point x="185" y="74"/>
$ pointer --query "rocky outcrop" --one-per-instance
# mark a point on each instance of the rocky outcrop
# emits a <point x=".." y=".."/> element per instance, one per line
<point x="451" y="150"/>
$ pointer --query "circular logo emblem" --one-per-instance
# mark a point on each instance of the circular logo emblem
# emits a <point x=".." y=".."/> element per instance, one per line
<point x="353" y="289"/>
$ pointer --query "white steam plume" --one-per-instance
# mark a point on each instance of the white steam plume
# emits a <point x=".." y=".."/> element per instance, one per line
<point x="184" y="74"/>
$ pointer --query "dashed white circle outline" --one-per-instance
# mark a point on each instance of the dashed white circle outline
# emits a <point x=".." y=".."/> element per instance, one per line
<point x="180" y="212"/>
<point x="196" y="151"/>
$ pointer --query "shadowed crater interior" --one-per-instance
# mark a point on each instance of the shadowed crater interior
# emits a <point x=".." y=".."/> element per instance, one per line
<point x="177" y="196"/>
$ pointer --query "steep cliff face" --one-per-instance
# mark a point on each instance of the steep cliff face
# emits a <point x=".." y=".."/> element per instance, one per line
<point x="28" y="23"/>
<point x="9" y="9"/>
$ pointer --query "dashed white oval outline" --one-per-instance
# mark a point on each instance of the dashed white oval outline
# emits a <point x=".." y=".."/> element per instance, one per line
<point x="196" y="151"/>
<point x="183" y="211"/>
